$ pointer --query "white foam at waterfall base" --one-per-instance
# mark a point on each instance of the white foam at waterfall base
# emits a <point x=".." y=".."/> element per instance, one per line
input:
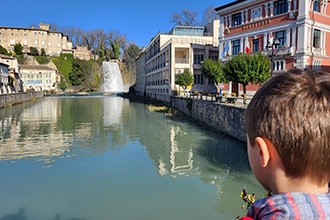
<point x="112" y="80"/>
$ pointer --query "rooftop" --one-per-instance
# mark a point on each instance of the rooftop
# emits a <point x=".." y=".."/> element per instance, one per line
<point x="229" y="4"/>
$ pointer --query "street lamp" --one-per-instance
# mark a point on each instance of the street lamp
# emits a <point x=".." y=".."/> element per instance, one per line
<point x="272" y="52"/>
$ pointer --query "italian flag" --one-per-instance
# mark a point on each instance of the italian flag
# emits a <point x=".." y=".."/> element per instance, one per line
<point x="247" y="45"/>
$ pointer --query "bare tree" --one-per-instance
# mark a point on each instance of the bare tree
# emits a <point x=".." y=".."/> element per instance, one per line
<point x="78" y="37"/>
<point x="100" y="44"/>
<point x="53" y="27"/>
<point x="184" y="18"/>
<point x="74" y="34"/>
<point x="89" y="39"/>
<point x="209" y="15"/>
<point x="117" y="41"/>
<point x="33" y="25"/>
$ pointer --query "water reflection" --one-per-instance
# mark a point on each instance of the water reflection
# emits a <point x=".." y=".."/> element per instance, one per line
<point x="28" y="131"/>
<point x="53" y="129"/>
<point x="113" y="111"/>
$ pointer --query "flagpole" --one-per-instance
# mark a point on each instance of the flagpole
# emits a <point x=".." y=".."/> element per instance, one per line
<point x="271" y="47"/>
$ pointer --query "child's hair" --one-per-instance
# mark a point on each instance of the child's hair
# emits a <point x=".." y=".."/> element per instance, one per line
<point x="292" y="111"/>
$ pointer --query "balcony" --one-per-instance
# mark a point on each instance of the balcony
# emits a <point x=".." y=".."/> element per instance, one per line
<point x="318" y="50"/>
<point x="284" y="51"/>
<point x="181" y="60"/>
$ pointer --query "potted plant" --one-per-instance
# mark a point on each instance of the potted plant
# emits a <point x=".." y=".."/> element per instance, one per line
<point x="232" y="98"/>
<point x="244" y="96"/>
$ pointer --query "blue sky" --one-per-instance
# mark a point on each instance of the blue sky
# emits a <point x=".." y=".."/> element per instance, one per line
<point x="139" y="20"/>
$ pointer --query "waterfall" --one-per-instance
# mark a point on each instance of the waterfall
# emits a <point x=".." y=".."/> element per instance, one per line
<point x="112" y="80"/>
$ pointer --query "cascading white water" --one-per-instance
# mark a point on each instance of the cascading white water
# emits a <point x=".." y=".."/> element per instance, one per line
<point x="112" y="80"/>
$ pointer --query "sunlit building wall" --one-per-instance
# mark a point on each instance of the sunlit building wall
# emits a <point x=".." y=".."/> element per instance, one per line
<point x="39" y="78"/>
<point x="169" y="54"/>
<point x="300" y="28"/>
<point x="54" y="43"/>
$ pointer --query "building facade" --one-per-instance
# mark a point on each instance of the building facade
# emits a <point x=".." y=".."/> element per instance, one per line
<point x="293" y="33"/>
<point x="13" y="71"/>
<point x="54" y="43"/>
<point x="3" y="78"/>
<point x="140" y="81"/>
<point x="167" y="55"/>
<point x="39" y="78"/>
<point x="82" y="53"/>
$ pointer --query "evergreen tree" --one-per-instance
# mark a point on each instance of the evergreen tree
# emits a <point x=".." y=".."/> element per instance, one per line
<point x="34" y="51"/>
<point x="3" y="50"/>
<point x="18" y="49"/>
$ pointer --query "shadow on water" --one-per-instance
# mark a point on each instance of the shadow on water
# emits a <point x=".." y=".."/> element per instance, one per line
<point x="225" y="150"/>
<point x="20" y="215"/>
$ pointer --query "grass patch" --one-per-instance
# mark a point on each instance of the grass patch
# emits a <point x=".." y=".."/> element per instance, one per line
<point x="42" y="59"/>
<point x="162" y="109"/>
<point x="168" y="110"/>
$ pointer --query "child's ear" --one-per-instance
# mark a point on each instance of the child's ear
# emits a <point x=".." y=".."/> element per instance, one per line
<point x="264" y="151"/>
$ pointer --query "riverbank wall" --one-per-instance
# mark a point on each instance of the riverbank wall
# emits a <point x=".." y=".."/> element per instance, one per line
<point x="17" y="98"/>
<point x="222" y="117"/>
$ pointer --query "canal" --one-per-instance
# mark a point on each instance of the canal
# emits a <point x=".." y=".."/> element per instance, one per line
<point x="103" y="157"/>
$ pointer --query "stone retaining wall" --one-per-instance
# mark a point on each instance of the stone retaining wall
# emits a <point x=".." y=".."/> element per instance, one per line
<point x="16" y="98"/>
<point x="228" y="119"/>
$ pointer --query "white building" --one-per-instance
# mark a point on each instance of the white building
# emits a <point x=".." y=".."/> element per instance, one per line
<point x="13" y="71"/>
<point x="167" y="55"/>
<point x="3" y="77"/>
<point x="39" y="78"/>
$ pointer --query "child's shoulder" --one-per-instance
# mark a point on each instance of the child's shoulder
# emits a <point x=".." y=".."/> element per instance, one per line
<point x="292" y="205"/>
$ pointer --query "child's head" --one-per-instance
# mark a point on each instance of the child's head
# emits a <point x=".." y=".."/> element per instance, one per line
<point x="292" y="111"/>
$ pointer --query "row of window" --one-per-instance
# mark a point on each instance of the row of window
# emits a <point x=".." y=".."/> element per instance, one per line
<point x="200" y="80"/>
<point x="158" y="82"/>
<point x="49" y="34"/>
<point x="279" y="35"/>
<point x="199" y="58"/>
<point x="280" y="7"/>
<point x="236" y="44"/>
<point x="278" y="66"/>
<point x="40" y="75"/>
<point x="150" y="91"/>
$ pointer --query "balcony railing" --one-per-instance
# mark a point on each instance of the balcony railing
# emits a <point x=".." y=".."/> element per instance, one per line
<point x="181" y="60"/>
<point x="284" y="51"/>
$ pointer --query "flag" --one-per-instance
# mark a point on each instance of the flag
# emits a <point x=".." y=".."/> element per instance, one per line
<point x="271" y="37"/>
<point x="225" y="49"/>
<point x="247" y="45"/>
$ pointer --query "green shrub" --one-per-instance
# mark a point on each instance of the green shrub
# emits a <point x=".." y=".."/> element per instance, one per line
<point x="42" y="59"/>
<point x="34" y="51"/>
<point x="63" y="64"/>
<point x="21" y="58"/>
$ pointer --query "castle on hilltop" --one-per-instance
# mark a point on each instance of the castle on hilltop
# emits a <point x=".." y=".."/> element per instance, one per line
<point x="53" y="42"/>
<point x="34" y="77"/>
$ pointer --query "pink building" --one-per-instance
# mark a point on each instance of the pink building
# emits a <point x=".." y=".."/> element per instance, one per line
<point x="293" y="33"/>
